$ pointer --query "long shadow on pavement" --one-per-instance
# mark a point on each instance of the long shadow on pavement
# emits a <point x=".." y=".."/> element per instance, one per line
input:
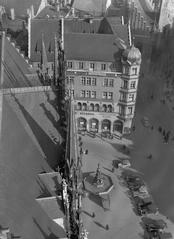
<point x="99" y="224"/>
<point x="52" y="151"/>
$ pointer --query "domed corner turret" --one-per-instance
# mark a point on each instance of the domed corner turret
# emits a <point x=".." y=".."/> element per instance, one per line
<point x="132" y="55"/>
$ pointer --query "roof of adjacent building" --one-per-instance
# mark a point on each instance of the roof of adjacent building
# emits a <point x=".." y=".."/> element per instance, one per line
<point x="86" y="47"/>
<point x="20" y="6"/>
<point x="83" y="33"/>
<point x="96" y="7"/>
<point x="51" y="12"/>
<point x="92" y="47"/>
<point x="113" y="25"/>
<point x="52" y="206"/>
<point x="52" y="181"/>
<point x="16" y="69"/>
<point x="145" y="12"/>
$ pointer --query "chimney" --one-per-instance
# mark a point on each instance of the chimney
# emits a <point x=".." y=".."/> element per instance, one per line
<point x="12" y="14"/>
<point x="62" y="32"/>
<point x="122" y="20"/>
<point x="73" y="12"/>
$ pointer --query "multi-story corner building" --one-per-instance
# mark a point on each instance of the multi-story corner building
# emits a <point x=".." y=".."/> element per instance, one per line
<point x="102" y="75"/>
<point x="103" y="78"/>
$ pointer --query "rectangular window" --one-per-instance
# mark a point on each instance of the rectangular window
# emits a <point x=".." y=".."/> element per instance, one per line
<point x="71" y="80"/>
<point x="104" y="96"/>
<point x="67" y="80"/>
<point x="88" y="81"/>
<point x="82" y="93"/>
<point x="94" y="81"/>
<point x="122" y="110"/>
<point x="134" y="70"/>
<point x="133" y="84"/>
<point x="111" y="82"/>
<point x="83" y="81"/>
<point x="123" y="96"/>
<point x="130" y="110"/>
<point x="72" y="93"/>
<point x="93" y="94"/>
<point x="125" y="84"/>
<point x="110" y="95"/>
<point x="91" y="66"/>
<point x="69" y="64"/>
<point x="105" y="82"/>
<point x="131" y="97"/>
<point x="103" y="67"/>
<point x="80" y="65"/>
<point x="88" y="94"/>
<point x="127" y="70"/>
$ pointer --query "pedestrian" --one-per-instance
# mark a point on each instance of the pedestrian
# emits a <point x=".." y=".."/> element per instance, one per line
<point x="149" y="156"/>
<point x="133" y="128"/>
<point x="152" y="127"/>
<point x="164" y="133"/>
<point x="93" y="214"/>
<point x="81" y="150"/>
<point x="113" y="169"/>
<point x="160" y="129"/>
<point x="107" y="227"/>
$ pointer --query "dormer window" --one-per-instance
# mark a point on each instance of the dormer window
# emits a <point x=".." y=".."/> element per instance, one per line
<point x="70" y="64"/>
<point x="103" y="67"/>
<point x="134" y="70"/>
<point x="81" y="65"/>
<point x="91" y="66"/>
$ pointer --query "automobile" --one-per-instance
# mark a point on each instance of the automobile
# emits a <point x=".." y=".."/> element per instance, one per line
<point x="144" y="206"/>
<point x="166" y="235"/>
<point x="140" y="194"/>
<point x="124" y="163"/>
<point x="92" y="134"/>
<point x="154" y="224"/>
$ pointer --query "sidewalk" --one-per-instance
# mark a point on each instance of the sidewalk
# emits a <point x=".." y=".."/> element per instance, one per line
<point x="121" y="218"/>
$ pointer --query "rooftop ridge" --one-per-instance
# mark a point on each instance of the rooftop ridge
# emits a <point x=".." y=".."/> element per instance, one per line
<point x="18" y="49"/>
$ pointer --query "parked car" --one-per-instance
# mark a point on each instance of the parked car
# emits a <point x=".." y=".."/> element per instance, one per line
<point x="124" y="163"/>
<point x="145" y="206"/>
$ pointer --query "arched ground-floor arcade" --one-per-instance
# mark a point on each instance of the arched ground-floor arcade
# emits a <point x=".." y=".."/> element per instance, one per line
<point x="99" y="123"/>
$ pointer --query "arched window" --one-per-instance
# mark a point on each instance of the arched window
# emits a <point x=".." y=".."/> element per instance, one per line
<point x="96" y="107"/>
<point x="79" y="106"/>
<point x="81" y="123"/>
<point x="91" y="107"/>
<point x="118" y="126"/>
<point x="104" y="108"/>
<point x="106" y="125"/>
<point x="84" y="106"/>
<point x="93" y="125"/>
<point x="109" y="108"/>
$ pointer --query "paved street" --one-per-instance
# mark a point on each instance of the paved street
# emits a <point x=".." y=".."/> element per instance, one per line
<point x="121" y="218"/>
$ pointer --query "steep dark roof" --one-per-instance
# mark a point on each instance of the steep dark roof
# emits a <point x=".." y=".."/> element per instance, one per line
<point x="52" y="206"/>
<point x="20" y="6"/>
<point x="112" y="25"/>
<point x="15" y="68"/>
<point x="52" y="181"/>
<point x="145" y="12"/>
<point x="51" y="12"/>
<point x="96" y="7"/>
<point x="79" y="31"/>
<point x="82" y="26"/>
<point x="91" y="47"/>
